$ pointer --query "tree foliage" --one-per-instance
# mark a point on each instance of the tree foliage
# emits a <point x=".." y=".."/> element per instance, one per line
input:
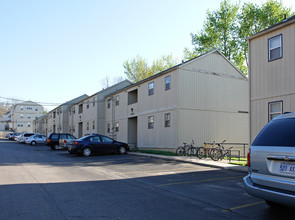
<point x="227" y="29"/>
<point x="138" y="69"/>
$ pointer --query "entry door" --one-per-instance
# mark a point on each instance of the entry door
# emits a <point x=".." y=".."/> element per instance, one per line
<point x="80" y="129"/>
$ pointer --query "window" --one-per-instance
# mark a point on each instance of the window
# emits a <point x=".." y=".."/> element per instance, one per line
<point x="29" y="124"/>
<point x="167" y="119"/>
<point x="93" y="101"/>
<point x="105" y="139"/>
<point x="74" y="111"/>
<point x="277" y="133"/>
<point x="117" y="126"/>
<point x="151" y="88"/>
<point x="81" y="108"/>
<point x="36" y="109"/>
<point x="87" y="106"/>
<point x="167" y="82"/>
<point x="117" y="100"/>
<point x="274" y="109"/>
<point x="22" y="108"/>
<point x="109" y="103"/>
<point x="87" y="128"/>
<point x="93" y="125"/>
<point x="29" y="116"/>
<point x="21" y="116"/>
<point x="109" y="128"/>
<point x="95" y="139"/>
<point x="150" y="122"/>
<point x="275" y="48"/>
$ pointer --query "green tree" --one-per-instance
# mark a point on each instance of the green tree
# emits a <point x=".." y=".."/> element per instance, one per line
<point x="227" y="29"/>
<point x="138" y="69"/>
<point x="254" y="18"/>
<point x="219" y="32"/>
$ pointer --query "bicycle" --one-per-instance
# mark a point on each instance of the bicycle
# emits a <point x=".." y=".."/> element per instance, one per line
<point x="220" y="152"/>
<point x="186" y="149"/>
<point x="205" y="151"/>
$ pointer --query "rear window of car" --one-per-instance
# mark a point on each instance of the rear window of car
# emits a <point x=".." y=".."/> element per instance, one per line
<point x="54" y="136"/>
<point x="277" y="133"/>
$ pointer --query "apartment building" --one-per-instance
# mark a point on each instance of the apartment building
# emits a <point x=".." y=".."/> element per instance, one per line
<point x="271" y="74"/>
<point x="57" y="120"/>
<point x="88" y="115"/>
<point x="204" y="99"/>
<point x="23" y="114"/>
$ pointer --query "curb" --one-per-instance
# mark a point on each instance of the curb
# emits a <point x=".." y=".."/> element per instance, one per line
<point x="209" y="163"/>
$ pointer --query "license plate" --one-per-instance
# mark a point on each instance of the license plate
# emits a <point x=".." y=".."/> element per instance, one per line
<point x="287" y="168"/>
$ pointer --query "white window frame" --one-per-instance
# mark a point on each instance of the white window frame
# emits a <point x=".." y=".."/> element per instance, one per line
<point x="151" y="121"/>
<point x="276" y="47"/>
<point x="167" y="120"/>
<point x="273" y="114"/>
<point x="168" y="82"/>
<point x="151" y="87"/>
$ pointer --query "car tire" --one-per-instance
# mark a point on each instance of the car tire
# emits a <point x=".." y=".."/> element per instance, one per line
<point x="86" y="152"/>
<point x="122" y="150"/>
<point x="33" y="143"/>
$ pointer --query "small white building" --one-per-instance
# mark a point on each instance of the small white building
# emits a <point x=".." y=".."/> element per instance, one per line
<point x="204" y="99"/>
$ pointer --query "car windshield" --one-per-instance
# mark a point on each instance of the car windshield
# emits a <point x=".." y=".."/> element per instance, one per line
<point x="279" y="132"/>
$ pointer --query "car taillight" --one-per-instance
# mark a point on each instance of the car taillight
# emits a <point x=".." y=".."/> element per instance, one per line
<point x="48" y="140"/>
<point x="248" y="158"/>
<point x="65" y="141"/>
<point x="76" y="143"/>
<point x="26" y="138"/>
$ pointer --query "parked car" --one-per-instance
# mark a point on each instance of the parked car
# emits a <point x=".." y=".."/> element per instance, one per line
<point x="7" y="135"/>
<point x="93" y="144"/>
<point x="53" y="140"/>
<point x="17" y="137"/>
<point x="271" y="162"/>
<point x="23" y="137"/>
<point x="36" y="139"/>
<point x="12" y="137"/>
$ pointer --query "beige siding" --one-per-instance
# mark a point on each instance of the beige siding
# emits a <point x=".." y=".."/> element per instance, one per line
<point x="271" y="81"/>
<point x="213" y="102"/>
<point x="205" y="102"/>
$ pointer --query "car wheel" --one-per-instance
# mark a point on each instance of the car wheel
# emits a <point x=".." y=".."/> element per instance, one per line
<point x="86" y="152"/>
<point x="122" y="150"/>
<point x="33" y="143"/>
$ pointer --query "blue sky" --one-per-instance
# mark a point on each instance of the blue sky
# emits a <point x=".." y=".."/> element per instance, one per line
<point x="53" y="51"/>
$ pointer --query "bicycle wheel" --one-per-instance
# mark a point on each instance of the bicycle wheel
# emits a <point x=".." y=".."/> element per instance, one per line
<point x="192" y="151"/>
<point x="201" y="152"/>
<point x="180" y="151"/>
<point x="215" y="154"/>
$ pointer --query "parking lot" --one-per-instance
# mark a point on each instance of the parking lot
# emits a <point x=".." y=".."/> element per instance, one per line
<point x="38" y="183"/>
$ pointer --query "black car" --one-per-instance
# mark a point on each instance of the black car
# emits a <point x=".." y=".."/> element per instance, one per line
<point x="53" y="139"/>
<point x="93" y="144"/>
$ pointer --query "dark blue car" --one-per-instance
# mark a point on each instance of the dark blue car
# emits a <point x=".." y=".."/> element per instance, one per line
<point x="94" y="144"/>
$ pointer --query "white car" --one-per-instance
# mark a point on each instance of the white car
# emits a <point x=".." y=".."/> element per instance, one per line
<point x="271" y="163"/>
<point x="35" y="139"/>
<point x="23" y="137"/>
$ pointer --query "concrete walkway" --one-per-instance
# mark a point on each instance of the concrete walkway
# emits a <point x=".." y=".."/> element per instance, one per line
<point x="206" y="162"/>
